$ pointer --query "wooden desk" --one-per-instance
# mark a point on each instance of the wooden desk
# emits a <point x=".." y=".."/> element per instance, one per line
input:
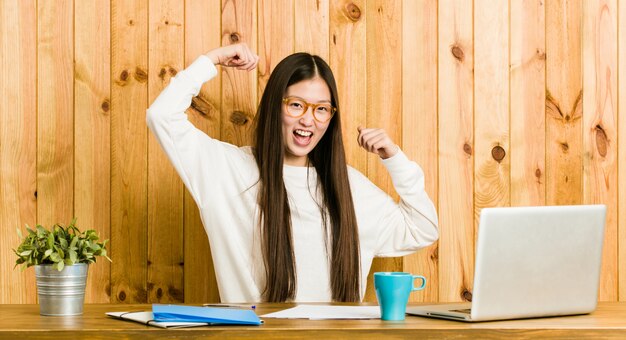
<point x="24" y="322"/>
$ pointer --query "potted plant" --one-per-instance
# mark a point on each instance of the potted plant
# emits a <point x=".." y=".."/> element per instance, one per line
<point x="61" y="257"/>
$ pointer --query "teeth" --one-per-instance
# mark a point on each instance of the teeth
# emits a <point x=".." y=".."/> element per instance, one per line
<point x="303" y="133"/>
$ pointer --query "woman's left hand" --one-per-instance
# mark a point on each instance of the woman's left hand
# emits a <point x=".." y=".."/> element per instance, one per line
<point x="377" y="141"/>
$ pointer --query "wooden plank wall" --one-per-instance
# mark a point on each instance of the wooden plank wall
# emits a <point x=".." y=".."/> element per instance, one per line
<point x="18" y="141"/>
<point x="92" y="131"/>
<point x="502" y="103"/>
<point x="202" y="25"/>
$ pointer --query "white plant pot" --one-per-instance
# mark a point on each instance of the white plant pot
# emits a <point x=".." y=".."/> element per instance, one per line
<point x="61" y="293"/>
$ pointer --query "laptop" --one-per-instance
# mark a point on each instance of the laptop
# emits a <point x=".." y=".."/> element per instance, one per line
<point x="532" y="262"/>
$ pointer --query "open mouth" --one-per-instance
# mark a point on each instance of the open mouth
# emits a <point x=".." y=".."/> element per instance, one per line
<point x="302" y="137"/>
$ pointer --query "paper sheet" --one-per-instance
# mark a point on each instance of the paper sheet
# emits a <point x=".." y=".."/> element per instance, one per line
<point x="313" y="312"/>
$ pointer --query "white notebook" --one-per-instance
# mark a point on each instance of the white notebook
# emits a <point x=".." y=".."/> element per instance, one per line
<point x="147" y="318"/>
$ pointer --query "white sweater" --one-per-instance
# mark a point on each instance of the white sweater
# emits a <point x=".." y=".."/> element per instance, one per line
<point x="221" y="178"/>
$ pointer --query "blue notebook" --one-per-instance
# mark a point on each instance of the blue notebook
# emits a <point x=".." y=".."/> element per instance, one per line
<point x="181" y="313"/>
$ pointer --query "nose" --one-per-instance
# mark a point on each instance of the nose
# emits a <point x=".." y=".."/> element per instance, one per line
<point x="307" y="118"/>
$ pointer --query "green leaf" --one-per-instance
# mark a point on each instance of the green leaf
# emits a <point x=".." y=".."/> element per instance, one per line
<point x="104" y="253"/>
<point x="74" y="241"/>
<point x="50" y="240"/>
<point x="47" y="253"/>
<point x="55" y="257"/>
<point x="63" y="243"/>
<point x="60" y="245"/>
<point x="61" y="252"/>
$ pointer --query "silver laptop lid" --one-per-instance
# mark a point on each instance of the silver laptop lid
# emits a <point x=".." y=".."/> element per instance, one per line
<point x="537" y="261"/>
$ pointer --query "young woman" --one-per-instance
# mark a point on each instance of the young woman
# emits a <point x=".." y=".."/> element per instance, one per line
<point x="287" y="219"/>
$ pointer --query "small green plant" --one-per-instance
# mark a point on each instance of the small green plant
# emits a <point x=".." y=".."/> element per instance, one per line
<point x="59" y="247"/>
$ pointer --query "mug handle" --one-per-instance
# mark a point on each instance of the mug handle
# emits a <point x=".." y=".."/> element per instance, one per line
<point x="423" y="282"/>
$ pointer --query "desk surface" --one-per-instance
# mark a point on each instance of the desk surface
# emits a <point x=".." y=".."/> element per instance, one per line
<point x="24" y="321"/>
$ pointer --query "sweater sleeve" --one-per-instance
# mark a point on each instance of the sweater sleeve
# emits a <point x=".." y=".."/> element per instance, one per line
<point x="196" y="157"/>
<point x="401" y="228"/>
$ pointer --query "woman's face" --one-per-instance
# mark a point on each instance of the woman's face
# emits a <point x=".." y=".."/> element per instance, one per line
<point x="302" y="134"/>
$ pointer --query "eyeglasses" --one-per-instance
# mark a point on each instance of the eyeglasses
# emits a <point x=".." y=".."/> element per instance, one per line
<point x="297" y="107"/>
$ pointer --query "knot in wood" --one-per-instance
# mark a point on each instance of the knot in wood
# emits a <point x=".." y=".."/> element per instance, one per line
<point x="140" y="75"/>
<point x="353" y="11"/>
<point x="175" y="293"/>
<point x="601" y="141"/>
<point x="106" y="105"/>
<point x="121" y="296"/>
<point x="434" y="256"/>
<point x="124" y="75"/>
<point x="457" y="52"/>
<point x="201" y="105"/>
<point x="541" y="55"/>
<point x="239" y="118"/>
<point x="234" y="37"/>
<point x="162" y="73"/>
<point x="467" y="149"/>
<point x="538" y="173"/>
<point x="498" y="153"/>
<point x="466" y="295"/>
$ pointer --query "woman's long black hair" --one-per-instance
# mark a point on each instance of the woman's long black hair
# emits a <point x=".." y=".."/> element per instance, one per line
<point x="328" y="158"/>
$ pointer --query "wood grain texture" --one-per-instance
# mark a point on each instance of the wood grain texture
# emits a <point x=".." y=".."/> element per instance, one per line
<point x="23" y="322"/>
<point x="312" y="25"/>
<point x="165" y="189"/>
<point x="348" y="29"/>
<point x="202" y="33"/>
<point x="384" y="100"/>
<point x="564" y="102"/>
<point x="491" y="106"/>
<point x="18" y="143"/>
<point x="239" y="88"/>
<point x="129" y="151"/>
<point x="74" y="110"/>
<point x="600" y="127"/>
<point x="456" y="150"/>
<point x="348" y="62"/>
<point x="419" y="120"/>
<point x="621" y="148"/>
<point x="528" y="93"/>
<point x="276" y="37"/>
<point x="92" y="133"/>
<point x="55" y="112"/>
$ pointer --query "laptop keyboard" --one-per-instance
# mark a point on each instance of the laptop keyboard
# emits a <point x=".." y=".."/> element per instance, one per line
<point x="466" y="311"/>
